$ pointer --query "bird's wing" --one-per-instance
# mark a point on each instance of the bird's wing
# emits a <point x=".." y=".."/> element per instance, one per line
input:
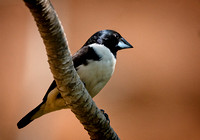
<point x="79" y="58"/>
<point x="84" y="54"/>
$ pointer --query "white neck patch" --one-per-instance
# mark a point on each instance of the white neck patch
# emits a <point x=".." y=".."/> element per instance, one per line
<point x="103" y="52"/>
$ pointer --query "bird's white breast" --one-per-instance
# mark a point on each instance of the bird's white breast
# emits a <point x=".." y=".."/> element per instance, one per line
<point x="97" y="73"/>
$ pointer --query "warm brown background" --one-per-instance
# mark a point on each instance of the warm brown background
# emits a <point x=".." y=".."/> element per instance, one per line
<point x="154" y="93"/>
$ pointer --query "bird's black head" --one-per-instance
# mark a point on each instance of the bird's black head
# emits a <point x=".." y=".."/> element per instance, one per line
<point x="109" y="38"/>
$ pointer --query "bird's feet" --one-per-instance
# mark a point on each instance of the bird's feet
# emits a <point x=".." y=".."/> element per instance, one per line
<point x="106" y="115"/>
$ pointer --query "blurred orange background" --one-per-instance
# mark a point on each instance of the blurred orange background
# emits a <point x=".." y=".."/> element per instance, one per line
<point x="154" y="93"/>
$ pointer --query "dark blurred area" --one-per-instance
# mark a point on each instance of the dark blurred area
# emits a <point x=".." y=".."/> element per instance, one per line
<point x="154" y="93"/>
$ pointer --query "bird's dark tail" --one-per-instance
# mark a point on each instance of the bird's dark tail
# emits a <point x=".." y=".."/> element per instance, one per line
<point x="35" y="113"/>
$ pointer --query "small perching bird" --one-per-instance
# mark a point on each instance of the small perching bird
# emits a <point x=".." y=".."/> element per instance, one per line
<point x="94" y="63"/>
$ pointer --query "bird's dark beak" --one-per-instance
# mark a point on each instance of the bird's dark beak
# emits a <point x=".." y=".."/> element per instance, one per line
<point x="123" y="44"/>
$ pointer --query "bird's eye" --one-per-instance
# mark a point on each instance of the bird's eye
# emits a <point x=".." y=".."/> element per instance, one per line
<point x="116" y="36"/>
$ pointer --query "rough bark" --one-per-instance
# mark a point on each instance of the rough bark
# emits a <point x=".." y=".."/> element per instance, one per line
<point x="66" y="77"/>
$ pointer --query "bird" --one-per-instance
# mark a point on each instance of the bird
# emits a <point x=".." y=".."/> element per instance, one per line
<point x="94" y="62"/>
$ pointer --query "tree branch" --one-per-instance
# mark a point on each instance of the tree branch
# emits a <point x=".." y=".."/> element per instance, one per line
<point x="65" y="75"/>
